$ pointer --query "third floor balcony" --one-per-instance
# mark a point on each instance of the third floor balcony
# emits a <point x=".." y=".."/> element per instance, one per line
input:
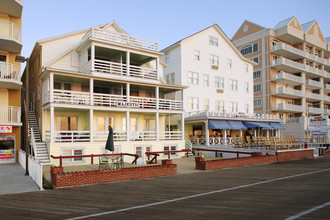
<point x="287" y="78"/>
<point x="283" y="107"/>
<point x="10" y="37"/>
<point x="10" y="115"/>
<point x="313" y="84"/>
<point x="288" y="92"/>
<point x="10" y="76"/>
<point x="12" y="8"/>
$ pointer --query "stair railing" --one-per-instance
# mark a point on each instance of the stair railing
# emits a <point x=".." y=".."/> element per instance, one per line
<point x="188" y="144"/>
<point x="33" y="143"/>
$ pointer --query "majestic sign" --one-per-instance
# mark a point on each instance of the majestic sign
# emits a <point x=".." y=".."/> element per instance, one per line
<point x="6" y="129"/>
<point x="318" y="121"/>
<point x="128" y="104"/>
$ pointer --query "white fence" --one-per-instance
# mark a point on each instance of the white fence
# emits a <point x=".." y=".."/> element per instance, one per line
<point x="35" y="168"/>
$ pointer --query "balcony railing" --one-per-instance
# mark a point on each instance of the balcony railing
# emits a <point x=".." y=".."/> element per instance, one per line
<point x="123" y="39"/>
<point x="10" y="72"/>
<point x="110" y="100"/>
<point x="289" y="107"/>
<point x="11" y="31"/>
<point x="101" y="136"/>
<point x="291" y="77"/>
<point x="314" y="95"/>
<point x="314" y="83"/>
<point x="314" y="110"/>
<point x="122" y="69"/>
<point x="290" y="91"/>
<point x="327" y="86"/>
<point x="10" y="114"/>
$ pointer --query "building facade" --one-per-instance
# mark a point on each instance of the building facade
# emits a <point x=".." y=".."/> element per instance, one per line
<point x="87" y="81"/>
<point x="10" y="79"/>
<point x="292" y="75"/>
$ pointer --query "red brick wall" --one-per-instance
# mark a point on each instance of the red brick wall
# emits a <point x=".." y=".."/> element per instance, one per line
<point x="255" y="159"/>
<point x="294" y="154"/>
<point x="62" y="179"/>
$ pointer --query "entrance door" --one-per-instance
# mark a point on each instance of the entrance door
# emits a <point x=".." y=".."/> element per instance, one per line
<point x="141" y="151"/>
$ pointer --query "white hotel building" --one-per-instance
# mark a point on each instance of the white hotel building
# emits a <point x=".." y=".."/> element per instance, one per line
<point x="85" y="81"/>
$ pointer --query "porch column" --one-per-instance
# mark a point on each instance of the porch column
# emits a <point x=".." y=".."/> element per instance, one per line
<point x="157" y="126"/>
<point x="157" y="97"/>
<point x="267" y="134"/>
<point x="91" y="91"/>
<point x="93" y="56"/>
<point x="240" y="133"/>
<point x="91" y="125"/>
<point x="128" y="127"/>
<point x="207" y="135"/>
<point x="225" y="136"/>
<point x="128" y="62"/>
<point x="51" y="128"/>
<point x="182" y="125"/>
<point x="51" y="87"/>
<point x="157" y="66"/>
<point x="127" y="92"/>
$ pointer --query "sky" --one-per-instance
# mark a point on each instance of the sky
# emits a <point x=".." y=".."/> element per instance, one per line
<point x="165" y="22"/>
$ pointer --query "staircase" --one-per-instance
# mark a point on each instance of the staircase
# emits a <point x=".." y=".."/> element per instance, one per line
<point x="39" y="147"/>
<point x="188" y="146"/>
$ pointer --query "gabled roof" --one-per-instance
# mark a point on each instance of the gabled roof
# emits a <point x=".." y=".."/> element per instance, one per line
<point x="283" y="23"/>
<point x="307" y="26"/>
<point x="224" y="36"/>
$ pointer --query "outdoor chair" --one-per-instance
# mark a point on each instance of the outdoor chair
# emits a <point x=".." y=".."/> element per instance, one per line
<point x="119" y="162"/>
<point x="284" y="143"/>
<point x="249" y="142"/>
<point x="103" y="163"/>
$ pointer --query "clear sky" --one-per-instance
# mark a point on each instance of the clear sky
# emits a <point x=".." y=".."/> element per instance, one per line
<point x="164" y="21"/>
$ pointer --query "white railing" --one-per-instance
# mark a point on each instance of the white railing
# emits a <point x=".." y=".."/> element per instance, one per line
<point x="33" y="143"/>
<point x="290" y="91"/>
<point x="314" y="95"/>
<point x="314" y="83"/>
<point x="327" y="98"/>
<point x="327" y="74"/>
<point x="144" y="102"/>
<point x="170" y="135"/>
<point x="287" y="47"/>
<point x="9" y="71"/>
<point x="47" y="136"/>
<point x="170" y="104"/>
<point x="119" y="38"/>
<point x="71" y="136"/>
<point x="121" y="69"/>
<point x="295" y="64"/>
<point x="10" y="114"/>
<point x="188" y="143"/>
<point x="288" y="76"/>
<point x="283" y="106"/>
<point x="142" y="135"/>
<point x="102" y="136"/>
<point x="71" y="97"/>
<point x="327" y="86"/>
<point x="10" y="30"/>
<point x="35" y="167"/>
<point x="108" y="100"/>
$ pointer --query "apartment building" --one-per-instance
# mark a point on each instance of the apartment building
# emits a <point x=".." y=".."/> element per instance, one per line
<point x="291" y="78"/>
<point x="10" y="79"/>
<point x="86" y="81"/>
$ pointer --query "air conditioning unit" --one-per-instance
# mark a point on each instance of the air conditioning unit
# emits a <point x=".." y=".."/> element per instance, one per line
<point x="214" y="67"/>
<point x="219" y="90"/>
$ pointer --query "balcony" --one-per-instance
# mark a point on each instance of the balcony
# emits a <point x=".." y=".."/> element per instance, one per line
<point x="287" y="78"/>
<point x="12" y="7"/>
<point x="310" y="96"/>
<point x="313" y="110"/>
<point x="327" y="86"/>
<point x="111" y="100"/>
<point x="10" y="37"/>
<point x="101" y="136"/>
<point x="121" y="39"/>
<point x="289" y="108"/>
<point x="288" y="51"/>
<point x="10" y="115"/>
<point x="289" y="93"/>
<point x="10" y="77"/>
<point x="313" y="84"/>
<point x="290" y="34"/>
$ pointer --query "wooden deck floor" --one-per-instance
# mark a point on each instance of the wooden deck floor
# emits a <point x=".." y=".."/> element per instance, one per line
<point x="272" y="191"/>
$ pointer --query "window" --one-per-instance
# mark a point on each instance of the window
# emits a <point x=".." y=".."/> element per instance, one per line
<point x="213" y="41"/>
<point x="193" y="78"/>
<point x="246" y="106"/>
<point x="167" y="57"/>
<point x="72" y="152"/>
<point x="246" y="87"/>
<point x="133" y="124"/>
<point x="66" y="123"/>
<point x="214" y="60"/>
<point x="229" y="63"/>
<point x="206" y="104"/>
<point x="257" y="103"/>
<point x="246" y="68"/>
<point x="255" y="47"/>
<point x="256" y="59"/>
<point x="193" y="103"/>
<point x="196" y="55"/>
<point x="219" y="82"/>
<point x="290" y="102"/>
<point x="256" y="74"/>
<point x="170" y="148"/>
<point x="246" y="50"/>
<point x="257" y="88"/>
<point x="206" y="80"/>
<point x="104" y="123"/>
<point x="220" y="105"/>
<point x="233" y="106"/>
<point x="233" y="85"/>
<point x="170" y="78"/>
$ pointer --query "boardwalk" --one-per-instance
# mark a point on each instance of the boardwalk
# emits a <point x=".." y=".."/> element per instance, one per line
<point x="272" y="191"/>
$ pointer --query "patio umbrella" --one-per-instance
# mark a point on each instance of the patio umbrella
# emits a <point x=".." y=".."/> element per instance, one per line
<point x="109" y="145"/>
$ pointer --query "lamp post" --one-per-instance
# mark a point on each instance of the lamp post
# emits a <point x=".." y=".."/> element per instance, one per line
<point x="22" y="59"/>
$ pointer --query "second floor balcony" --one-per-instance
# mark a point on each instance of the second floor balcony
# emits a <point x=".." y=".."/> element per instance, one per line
<point x="283" y="107"/>
<point x="10" y="115"/>
<point x="10" y="76"/>
<point x="287" y="78"/>
<point x="10" y="37"/>
<point x="310" y="96"/>
<point x="288" y="92"/>
<point x="314" y="84"/>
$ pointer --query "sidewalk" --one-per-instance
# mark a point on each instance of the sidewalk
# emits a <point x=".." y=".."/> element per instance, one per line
<point x="14" y="180"/>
